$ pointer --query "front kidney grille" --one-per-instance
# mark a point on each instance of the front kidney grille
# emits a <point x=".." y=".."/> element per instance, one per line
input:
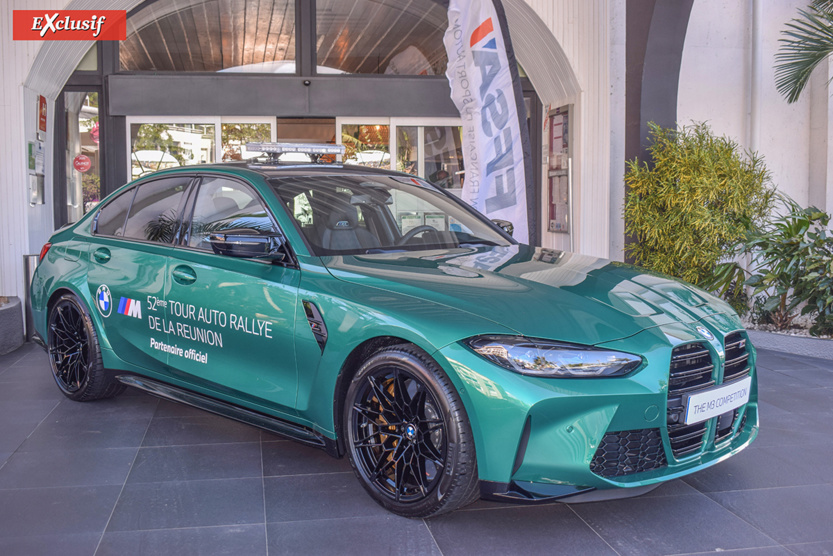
<point x="627" y="452"/>
<point x="737" y="358"/>
<point x="735" y="367"/>
<point x="691" y="370"/>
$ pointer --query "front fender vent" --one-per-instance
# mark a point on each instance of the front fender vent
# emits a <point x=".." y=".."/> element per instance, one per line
<point x="316" y="323"/>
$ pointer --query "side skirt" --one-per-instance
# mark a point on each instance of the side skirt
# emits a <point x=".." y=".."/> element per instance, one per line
<point x="225" y="409"/>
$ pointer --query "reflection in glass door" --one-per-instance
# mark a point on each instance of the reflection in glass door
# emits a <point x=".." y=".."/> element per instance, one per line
<point x="156" y="145"/>
<point x="234" y="137"/>
<point x="82" y="172"/>
<point x="431" y="148"/>
<point x="366" y="141"/>
<point x="163" y="142"/>
<point x="236" y="131"/>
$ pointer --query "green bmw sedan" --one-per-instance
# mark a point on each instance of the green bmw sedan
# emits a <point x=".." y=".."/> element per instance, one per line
<point x="374" y="315"/>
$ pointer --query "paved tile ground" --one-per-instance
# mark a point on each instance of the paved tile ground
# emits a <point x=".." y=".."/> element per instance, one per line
<point x="137" y="475"/>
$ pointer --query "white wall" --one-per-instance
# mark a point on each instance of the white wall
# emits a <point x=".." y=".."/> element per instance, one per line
<point x="727" y="79"/>
<point x="821" y="147"/>
<point x="616" y="240"/>
<point x="39" y="217"/>
<point x="17" y="113"/>
<point x="582" y="28"/>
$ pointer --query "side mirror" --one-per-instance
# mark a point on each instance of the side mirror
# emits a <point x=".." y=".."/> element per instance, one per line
<point x="504" y="225"/>
<point x="248" y="244"/>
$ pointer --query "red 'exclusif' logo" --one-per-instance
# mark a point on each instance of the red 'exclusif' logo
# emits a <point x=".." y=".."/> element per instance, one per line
<point x="69" y="25"/>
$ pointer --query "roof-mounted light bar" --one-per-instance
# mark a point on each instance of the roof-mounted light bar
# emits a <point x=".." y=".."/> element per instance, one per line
<point x="304" y="148"/>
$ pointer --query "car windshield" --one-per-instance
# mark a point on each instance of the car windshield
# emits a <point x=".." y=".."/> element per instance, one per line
<point x="351" y="214"/>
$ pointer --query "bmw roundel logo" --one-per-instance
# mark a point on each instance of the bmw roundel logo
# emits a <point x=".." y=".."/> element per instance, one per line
<point x="103" y="300"/>
<point x="705" y="332"/>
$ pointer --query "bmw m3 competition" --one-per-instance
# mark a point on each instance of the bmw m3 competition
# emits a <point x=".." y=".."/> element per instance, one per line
<point x="374" y="315"/>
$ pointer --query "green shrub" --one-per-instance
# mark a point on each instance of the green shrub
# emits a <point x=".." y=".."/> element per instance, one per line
<point x="794" y="265"/>
<point x="694" y="207"/>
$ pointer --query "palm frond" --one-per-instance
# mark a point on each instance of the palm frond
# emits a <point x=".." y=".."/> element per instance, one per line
<point x="823" y="5"/>
<point x="809" y="42"/>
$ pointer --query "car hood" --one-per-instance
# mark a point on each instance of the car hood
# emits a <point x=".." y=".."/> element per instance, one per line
<point x="535" y="292"/>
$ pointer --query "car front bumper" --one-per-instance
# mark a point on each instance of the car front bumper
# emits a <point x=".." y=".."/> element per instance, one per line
<point x="544" y="439"/>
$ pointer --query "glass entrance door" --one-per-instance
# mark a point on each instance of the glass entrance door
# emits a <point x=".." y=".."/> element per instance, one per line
<point x="156" y="143"/>
<point x="366" y="141"/>
<point x="83" y="184"/>
<point x="430" y="148"/>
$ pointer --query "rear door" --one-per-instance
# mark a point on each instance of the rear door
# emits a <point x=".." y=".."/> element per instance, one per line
<point x="133" y="236"/>
<point x="231" y="320"/>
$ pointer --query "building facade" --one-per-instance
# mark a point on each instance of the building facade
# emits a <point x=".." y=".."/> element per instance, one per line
<point x="196" y="79"/>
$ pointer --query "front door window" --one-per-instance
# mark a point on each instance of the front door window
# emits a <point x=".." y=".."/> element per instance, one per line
<point x="224" y="205"/>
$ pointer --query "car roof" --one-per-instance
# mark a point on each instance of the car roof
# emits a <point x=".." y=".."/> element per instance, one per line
<point x="276" y="170"/>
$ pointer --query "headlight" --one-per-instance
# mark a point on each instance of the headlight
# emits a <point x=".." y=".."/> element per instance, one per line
<point x="549" y="359"/>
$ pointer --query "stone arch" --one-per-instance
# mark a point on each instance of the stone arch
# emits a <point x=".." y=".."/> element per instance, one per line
<point x="56" y="60"/>
<point x="542" y="58"/>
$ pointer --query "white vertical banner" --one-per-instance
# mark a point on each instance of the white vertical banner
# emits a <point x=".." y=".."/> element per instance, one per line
<point x="483" y="91"/>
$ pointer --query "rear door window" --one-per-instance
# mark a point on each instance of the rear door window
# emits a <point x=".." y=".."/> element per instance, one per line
<point x="154" y="215"/>
<point x="110" y="219"/>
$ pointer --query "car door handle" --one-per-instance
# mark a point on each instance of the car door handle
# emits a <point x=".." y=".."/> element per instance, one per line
<point x="184" y="275"/>
<point x="101" y="255"/>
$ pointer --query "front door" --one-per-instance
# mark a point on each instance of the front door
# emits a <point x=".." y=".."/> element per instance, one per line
<point x="231" y="320"/>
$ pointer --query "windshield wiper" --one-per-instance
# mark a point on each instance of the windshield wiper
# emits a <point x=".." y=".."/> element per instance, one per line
<point x="476" y="242"/>
<point x="374" y="250"/>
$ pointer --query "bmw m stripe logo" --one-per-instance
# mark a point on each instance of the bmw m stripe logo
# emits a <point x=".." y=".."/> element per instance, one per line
<point x="130" y="307"/>
<point x="103" y="300"/>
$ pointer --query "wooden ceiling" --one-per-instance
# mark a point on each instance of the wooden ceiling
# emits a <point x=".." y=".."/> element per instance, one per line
<point x="355" y="36"/>
<point x="362" y="36"/>
<point x="209" y="35"/>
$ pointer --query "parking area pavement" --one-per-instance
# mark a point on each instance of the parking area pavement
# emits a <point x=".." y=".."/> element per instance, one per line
<point x="137" y="475"/>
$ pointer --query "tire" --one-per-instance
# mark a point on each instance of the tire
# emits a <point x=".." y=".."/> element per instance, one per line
<point x="74" y="353"/>
<point x="408" y="436"/>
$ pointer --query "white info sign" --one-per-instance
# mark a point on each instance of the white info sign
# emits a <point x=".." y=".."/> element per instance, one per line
<point x="717" y="401"/>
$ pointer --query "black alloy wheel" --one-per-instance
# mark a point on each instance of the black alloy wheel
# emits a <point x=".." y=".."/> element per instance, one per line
<point x="69" y="346"/>
<point x="398" y="435"/>
<point x="409" y="440"/>
<point x="74" y="353"/>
